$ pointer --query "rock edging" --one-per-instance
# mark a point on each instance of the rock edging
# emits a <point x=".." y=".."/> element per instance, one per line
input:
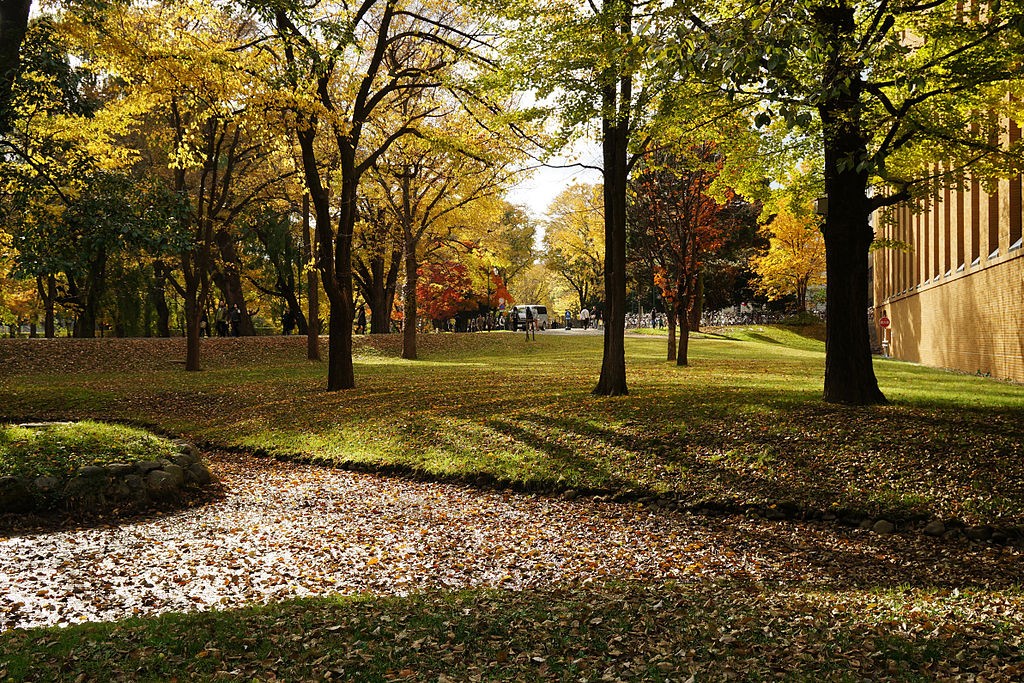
<point x="111" y="485"/>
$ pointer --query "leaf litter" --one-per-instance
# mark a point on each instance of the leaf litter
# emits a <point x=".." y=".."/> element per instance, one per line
<point x="288" y="530"/>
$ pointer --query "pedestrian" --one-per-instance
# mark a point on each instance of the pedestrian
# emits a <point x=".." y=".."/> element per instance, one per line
<point x="568" y="319"/>
<point x="654" y="318"/>
<point x="236" y="321"/>
<point x="361" y="320"/>
<point x="585" y="318"/>
<point x="529" y="326"/>
<point x="204" y="325"/>
<point x="220" y="318"/>
<point x="287" y="322"/>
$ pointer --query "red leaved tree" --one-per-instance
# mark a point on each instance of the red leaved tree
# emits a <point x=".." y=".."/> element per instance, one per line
<point x="675" y="224"/>
<point x="443" y="290"/>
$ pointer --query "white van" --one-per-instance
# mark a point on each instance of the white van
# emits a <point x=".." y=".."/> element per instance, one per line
<point x="540" y="314"/>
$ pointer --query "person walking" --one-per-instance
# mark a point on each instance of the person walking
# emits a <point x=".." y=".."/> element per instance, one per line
<point x="236" y="321"/>
<point x="585" y="318"/>
<point x="361" y="320"/>
<point x="530" y="325"/>
<point x="568" y="319"/>
<point x="220" y="318"/>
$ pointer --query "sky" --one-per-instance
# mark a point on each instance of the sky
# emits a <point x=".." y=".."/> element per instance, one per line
<point x="538" y="191"/>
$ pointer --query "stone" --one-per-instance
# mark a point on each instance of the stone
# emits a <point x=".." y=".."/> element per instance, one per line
<point x="159" y="483"/>
<point x="177" y="474"/>
<point x="91" y="471"/>
<point x="182" y="460"/>
<point x="569" y="495"/>
<point x="46" y="483"/>
<point x="883" y="526"/>
<point x="200" y="474"/>
<point x="120" y="469"/>
<point x="117" y="489"/>
<point x="15" y="495"/>
<point x="186" y="449"/>
<point x="935" y="528"/>
<point x="978" y="533"/>
<point x="866" y="524"/>
<point x="136" y="486"/>
<point x="146" y="466"/>
<point x="775" y="513"/>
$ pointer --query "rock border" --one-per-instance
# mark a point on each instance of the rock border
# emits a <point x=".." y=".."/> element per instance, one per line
<point x="93" y="487"/>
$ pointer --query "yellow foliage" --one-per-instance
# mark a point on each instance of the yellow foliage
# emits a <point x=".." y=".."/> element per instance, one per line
<point x="795" y="259"/>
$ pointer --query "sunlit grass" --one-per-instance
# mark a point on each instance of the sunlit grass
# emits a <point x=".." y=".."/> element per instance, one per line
<point x="743" y="422"/>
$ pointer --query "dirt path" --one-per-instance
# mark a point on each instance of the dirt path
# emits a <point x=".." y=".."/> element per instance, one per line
<point x="286" y="530"/>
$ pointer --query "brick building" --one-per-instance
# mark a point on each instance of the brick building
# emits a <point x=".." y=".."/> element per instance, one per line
<point x="956" y="298"/>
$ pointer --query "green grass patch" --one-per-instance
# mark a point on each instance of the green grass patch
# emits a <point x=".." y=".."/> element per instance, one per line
<point x="742" y="423"/>
<point x="60" y="449"/>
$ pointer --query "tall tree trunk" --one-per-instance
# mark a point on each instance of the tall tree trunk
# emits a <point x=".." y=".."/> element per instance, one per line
<point x="13" y="26"/>
<point x="312" y="286"/>
<point x="697" y="302"/>
<point x="409" y="302"/>
<point x="849" y="374"/>
<point x="193" y="314"/>
<point x="229" y="278"/>
<point x="683" y="304"/>
<point x="670" y="313"/>
<point x="380" y="283"/>
<point x="158" y="295"/>
<point x="48" y="295"/>
<point x="614" y="143"/>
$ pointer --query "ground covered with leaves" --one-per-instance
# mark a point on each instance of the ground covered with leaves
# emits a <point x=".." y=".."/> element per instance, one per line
<point x="537" y="532"/>
<point x="495" y="585"/>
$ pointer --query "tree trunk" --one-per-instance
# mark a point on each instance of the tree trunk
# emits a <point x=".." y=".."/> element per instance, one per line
<point x="192" y="316"/>
<point x="683" y="305"/>
<point x="312" y="286"/>
<point x="670" y="313"/>
<point x="697" y="302"/>
<point x="849" y="374"/>
<point x="159" y="298"/>
<point x="613" y="365"/>
<point x="229" y="278"/>
<point x="13" y="26"/>
<point x="48" y="295"/>
<point x="380" y="284"/>
<point x="409" y="302"/>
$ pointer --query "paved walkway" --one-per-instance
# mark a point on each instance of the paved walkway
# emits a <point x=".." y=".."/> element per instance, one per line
<point x="286" y="530"/>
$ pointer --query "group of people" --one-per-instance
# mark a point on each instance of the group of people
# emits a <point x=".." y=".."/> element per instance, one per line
<point x="226" y="321"/>
<point x="586" y="319"/>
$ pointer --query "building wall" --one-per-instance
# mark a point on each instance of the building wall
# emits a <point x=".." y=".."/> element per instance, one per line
<point x="973" y="324"/>
<point x="955" y="298"/>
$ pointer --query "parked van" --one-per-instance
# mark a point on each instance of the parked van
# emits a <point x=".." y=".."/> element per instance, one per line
<point x="540" y="314"/>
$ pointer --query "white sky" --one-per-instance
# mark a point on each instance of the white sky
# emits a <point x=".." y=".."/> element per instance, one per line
<point x="538" y="191"/>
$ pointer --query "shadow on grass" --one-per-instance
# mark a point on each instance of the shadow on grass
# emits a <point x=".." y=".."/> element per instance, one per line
<point x="624" y="631"/>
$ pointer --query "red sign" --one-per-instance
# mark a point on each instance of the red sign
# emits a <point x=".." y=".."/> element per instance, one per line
<point x="884" y="322"/>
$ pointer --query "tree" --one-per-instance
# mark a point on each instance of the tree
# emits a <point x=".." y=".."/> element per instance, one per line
<point x="189" y="93"/>
<point x="349" y="75"/>
<point x="886" y="86"/>
<point x="443" y="291"/>
<point x="574" y="240"/>
<point x="597" y="63"/>
<point x="794" y="260"/>
<point x="676" y="222"/>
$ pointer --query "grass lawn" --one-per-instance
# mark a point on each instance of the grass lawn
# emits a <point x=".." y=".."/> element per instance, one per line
<point x="59" y="449"/>
<point x="742" y="425"/>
